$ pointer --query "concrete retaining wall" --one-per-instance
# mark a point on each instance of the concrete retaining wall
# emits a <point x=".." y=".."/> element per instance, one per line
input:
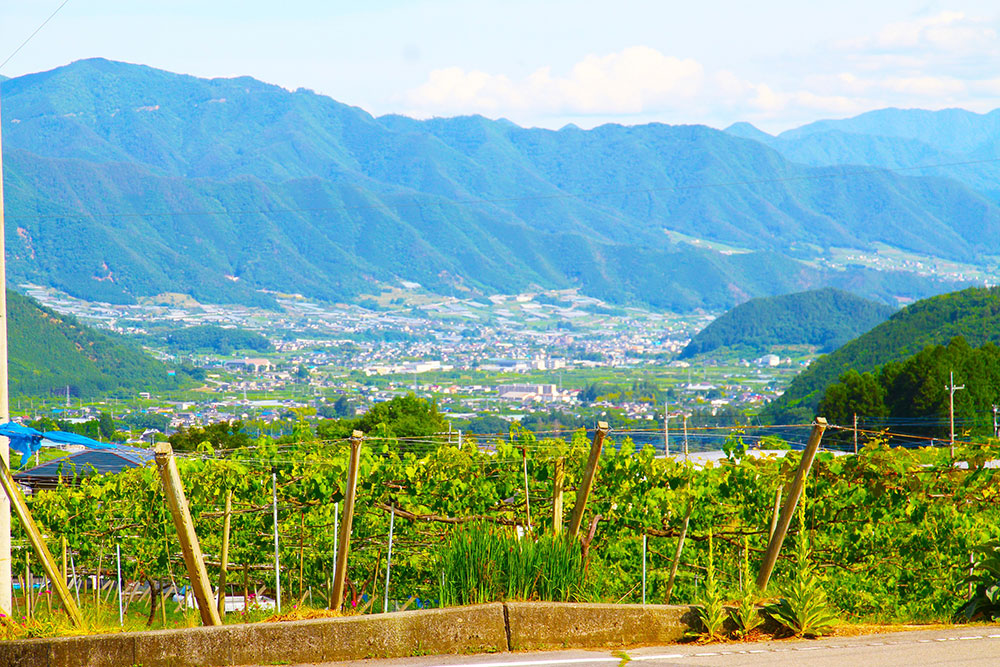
<point x="548" y="625"/>
<point x="475" y="629"/>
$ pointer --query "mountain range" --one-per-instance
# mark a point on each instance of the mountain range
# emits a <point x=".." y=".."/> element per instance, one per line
<point x="125" y="181"/>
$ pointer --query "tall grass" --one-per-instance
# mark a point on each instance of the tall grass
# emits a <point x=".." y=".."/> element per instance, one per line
<point x="487" y="563"/>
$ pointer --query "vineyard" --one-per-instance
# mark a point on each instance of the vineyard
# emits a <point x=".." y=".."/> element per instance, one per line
<point x="889" y="531"/>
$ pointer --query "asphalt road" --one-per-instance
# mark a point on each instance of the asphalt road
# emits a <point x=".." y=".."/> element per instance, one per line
<point x="969" y="645"/>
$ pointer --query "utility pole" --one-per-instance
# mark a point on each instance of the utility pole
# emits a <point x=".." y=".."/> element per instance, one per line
<point x="855" y="432"/>
<point x="685" y="436"/>
<point x="666" y="428"/>
<point x="6" y="582"/>
<point x="995" y="433"/>
<point x="951" y="409"/>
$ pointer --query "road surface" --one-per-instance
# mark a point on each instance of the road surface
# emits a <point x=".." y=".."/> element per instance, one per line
<point x="968" y="645"/>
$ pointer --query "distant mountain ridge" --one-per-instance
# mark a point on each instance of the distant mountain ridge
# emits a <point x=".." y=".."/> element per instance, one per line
<point x="952" y="143"/>
<point x="972" y="313"/>
<point x="123" y="180"/>
<point x="827" y="318"/>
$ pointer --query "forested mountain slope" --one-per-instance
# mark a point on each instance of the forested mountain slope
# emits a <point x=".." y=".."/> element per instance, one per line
<point x="49" y="352"/>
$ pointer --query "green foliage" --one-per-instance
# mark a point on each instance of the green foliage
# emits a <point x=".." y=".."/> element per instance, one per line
<point x="641" y="390"/>
<point x="106" y="425"/>
<point x="711" y="610"/>
<point x="913" y="391"/>
<point x="486" y="563"/>
<point x="915" y="505"/>
<point x="984" y="605"/>
<point x="402" y="417"/>
<point x="50" y="352"/>
<point x="803" y="608"/>
<point x="220" y="435"/>
<point x="147" y="420"/>
<point x="746" y="615"/>
<point x="827" y="318"/>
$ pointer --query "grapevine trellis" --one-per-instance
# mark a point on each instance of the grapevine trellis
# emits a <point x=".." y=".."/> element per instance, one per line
<point x="890" y="530"/>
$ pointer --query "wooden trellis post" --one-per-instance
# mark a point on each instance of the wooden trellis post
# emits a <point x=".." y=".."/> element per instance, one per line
<point x="583" y="492"/>
<point x="224" y="557"/>
<point x="344" y="545"/>
<point x="35" y="537"/>
<point x="170" y="478"/>
<point x="557" y="495"/>
<point x="788" y="509"/>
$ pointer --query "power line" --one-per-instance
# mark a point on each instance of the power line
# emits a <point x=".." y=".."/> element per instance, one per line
<point x="37" y="30"/>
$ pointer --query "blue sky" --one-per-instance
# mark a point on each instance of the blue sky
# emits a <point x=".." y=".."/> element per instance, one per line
<point x="774" y="63"/>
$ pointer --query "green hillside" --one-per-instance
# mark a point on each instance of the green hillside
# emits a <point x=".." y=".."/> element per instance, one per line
<point x="973" y="314"/>
<point x="124" y="181"/>
<point x="49" y="352"/>
<point x="911" y="395"/>
<point x="827" y="318"/>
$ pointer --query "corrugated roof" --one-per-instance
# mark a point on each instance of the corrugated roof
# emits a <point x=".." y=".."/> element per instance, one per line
<point x="87" y="463"/>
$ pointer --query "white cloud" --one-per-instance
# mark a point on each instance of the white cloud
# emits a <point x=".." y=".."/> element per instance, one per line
<point x="931" y="62"/>
<point x="638" y="83"/>
<point x="947" y="31"/>
<point x="636" y="80"/>
<point x="925" y="86"/>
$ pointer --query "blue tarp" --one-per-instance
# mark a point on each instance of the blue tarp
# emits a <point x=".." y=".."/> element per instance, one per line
<point x="28" y="440"/>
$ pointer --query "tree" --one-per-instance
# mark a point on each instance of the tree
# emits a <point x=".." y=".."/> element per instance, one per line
<point x="222" y="435"/>
<point x="856" y="394"/>
<point x="342" y="407"/>
<point x="106" y="426"/>
<point x="404" y="416"/>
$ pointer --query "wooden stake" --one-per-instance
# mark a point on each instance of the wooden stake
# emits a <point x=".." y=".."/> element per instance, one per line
<point x="27" y="585"/>
<point x="97" y="579"/>
<point x="302" y="541"/>
<point x="527" y="496"/>
<point x="775" y="512"/>
<point x="38" y="543"/>
<point x="224" y="556"/>
<point x="677" y="553"/>
<point x="163" y="607"/>
<point x="788" y="509"/>
<point x="557" y="495"/>
<point x="170" y="479"/>
<point x="583" y="491"/>
<point x="344" y="542"/>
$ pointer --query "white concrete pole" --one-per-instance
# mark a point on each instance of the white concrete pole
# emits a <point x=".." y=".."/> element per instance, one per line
<point x="388" y="562"/>
<point x="6" y="585"/>
<point x="277" y="563"/>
